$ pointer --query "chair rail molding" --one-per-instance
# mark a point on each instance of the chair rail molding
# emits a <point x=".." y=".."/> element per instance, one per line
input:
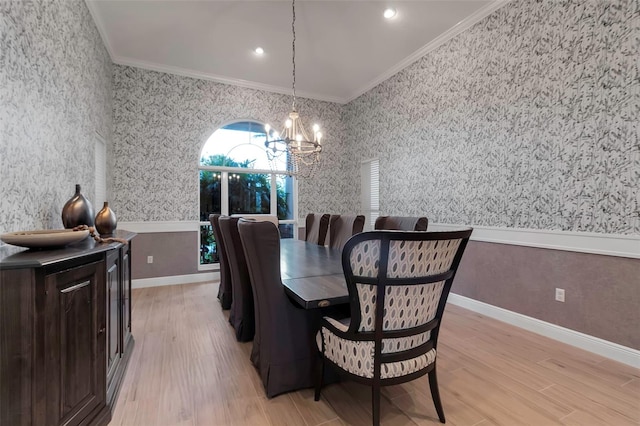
<point x="582" y="242"/>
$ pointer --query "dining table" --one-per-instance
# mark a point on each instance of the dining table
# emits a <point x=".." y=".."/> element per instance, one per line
<point x="312" y="275"/>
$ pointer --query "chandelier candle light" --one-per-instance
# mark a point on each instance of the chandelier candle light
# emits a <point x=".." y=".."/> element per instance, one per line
<point x="293" y="139"/>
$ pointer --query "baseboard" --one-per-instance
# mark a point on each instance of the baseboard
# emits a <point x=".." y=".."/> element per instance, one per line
<point x="175" y="280"/>
<point x="596" y="345"/>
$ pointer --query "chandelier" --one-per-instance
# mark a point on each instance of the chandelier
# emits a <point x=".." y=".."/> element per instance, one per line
<point x="303" y="152"/>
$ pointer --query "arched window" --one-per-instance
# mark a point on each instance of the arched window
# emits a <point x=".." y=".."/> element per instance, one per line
<point x="237" y="177"/>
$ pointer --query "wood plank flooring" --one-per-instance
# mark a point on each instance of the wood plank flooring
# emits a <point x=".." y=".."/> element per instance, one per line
<point x="187" y="369"/>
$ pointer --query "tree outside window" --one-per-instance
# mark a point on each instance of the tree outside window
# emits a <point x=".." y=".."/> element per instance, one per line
<point x="247" y="192"/>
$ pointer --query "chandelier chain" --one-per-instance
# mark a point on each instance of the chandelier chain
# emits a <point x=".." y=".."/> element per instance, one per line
<point x="293" y="30"/>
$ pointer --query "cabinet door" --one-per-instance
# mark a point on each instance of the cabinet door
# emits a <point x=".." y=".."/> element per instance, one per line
<point x="74" y="344"/>
<point x="113" y="318"/>
<point x="126" y="295"/>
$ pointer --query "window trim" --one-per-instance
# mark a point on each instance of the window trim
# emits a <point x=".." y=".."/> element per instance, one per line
<point x="224" y="192"/>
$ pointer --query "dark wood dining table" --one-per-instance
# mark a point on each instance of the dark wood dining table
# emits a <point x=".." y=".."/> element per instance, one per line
<point x="312" y="275"/>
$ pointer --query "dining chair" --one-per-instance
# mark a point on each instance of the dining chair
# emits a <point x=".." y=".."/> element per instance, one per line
<point x="241" y="316"/>
<point x="405" y="276"/>
<point x="343" y="227"/>
<point x="283" y="347"/>
<point x="402" y="223"/>
<point x="316" y="227"/>
<point x="259" y="217"/>
<point x="224" y="290"/>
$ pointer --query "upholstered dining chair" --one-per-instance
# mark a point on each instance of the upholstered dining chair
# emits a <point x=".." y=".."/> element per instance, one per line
<point x="224" y="291"/>
<point x="241" y="316"/>
<point x="343" y="227"/>
<point x="283" y="347"/>
<point x="259" y="217"/>
<point x="402" y="223"/>
<point x="405" y="276"/>
<point x="316" y="227"/>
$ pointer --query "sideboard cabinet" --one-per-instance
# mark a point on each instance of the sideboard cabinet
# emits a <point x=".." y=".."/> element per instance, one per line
<point x="65" y="332"/>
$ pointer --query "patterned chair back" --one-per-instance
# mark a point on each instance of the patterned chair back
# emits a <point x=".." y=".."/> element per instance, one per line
<point x="405" y="275"/>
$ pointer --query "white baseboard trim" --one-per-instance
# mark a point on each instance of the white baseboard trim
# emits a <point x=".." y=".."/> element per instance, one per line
<point x="175" y="280"/>
<point x="596" y="345"/>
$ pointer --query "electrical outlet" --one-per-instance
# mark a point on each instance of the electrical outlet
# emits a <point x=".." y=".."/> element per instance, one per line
<point x="149" y="259"/>
<point x="560" y="294"/>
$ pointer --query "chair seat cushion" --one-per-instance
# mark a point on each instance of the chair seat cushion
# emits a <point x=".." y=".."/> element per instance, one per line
<point x="356" y="357"/>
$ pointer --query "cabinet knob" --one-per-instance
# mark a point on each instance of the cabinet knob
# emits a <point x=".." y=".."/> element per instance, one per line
<point x="102" y="330"/>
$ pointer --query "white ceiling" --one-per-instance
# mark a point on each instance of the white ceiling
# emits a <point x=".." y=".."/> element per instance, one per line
<point x="343" y="48"/>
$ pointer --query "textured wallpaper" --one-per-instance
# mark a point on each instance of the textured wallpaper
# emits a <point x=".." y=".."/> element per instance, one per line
<point x="55" y="92"/>
<point x="529" y="119"/>
<point x="162" y="122"/>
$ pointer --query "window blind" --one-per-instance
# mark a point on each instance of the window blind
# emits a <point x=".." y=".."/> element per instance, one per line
<point x="370" y="174"/>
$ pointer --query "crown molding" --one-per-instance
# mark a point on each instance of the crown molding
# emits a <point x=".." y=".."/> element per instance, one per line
<point x="185" y="72"/>
<point x="100" y="26"/>
<point x="460" y="27"/>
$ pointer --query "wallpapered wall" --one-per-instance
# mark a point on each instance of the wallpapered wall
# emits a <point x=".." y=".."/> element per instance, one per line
<point x="55" y="87"/>
<point x="529" y="119"/>
<point x="162" y="122"/>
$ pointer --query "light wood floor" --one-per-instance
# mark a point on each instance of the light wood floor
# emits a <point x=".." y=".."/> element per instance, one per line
<point x="187" y="369"/>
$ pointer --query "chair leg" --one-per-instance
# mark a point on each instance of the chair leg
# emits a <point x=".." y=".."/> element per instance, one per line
<point x="375" y="404"/>
<point x="319" y="376"/>
<point x="435" y="394"/>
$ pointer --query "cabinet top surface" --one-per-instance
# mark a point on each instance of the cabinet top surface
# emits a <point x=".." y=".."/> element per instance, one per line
<point x="12" y="257"/>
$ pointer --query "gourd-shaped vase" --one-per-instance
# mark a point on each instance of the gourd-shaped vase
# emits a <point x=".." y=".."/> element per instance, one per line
<point x="106" y="221"/>
<point x="77" y="211"/>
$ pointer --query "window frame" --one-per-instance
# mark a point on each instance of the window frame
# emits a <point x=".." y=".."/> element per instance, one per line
<point x="224" y="193"/>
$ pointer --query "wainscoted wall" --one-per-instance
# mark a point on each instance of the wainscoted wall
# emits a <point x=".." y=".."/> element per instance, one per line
<point x="162" y="122"/>
<point x="174" y="253"/>
<point x="529" y="119"/>
<point x="55" y="86"/>
<point x="526" y="120"/>
<point x="602" y="293"/>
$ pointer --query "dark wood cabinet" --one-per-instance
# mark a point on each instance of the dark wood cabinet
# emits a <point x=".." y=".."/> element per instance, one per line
<point x="114" y="318"/>
<point x="73" y="346"/>
<point x="65" y="332"/>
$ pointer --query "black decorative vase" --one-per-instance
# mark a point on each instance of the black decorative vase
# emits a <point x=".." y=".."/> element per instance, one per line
<point x="106" y="221"/>
<point x="77" y="211"/>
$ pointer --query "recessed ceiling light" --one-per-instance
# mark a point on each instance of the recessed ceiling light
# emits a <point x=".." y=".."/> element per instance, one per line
<point x="389" y="13"/>
<point x="259" y="51"/>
